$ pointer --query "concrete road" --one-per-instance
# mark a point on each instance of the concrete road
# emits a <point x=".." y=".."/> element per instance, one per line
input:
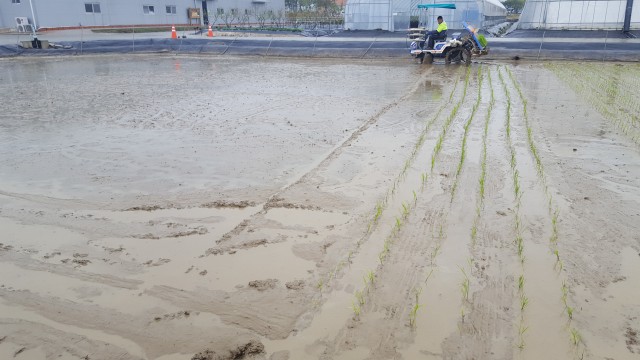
<point x="524" y="45"/>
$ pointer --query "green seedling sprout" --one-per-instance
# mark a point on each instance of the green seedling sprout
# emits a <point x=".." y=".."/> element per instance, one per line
<point x="522" y="329"/>
<point x="405" y="210"/>
<point x="379" y="210"/>
<point x="575" y="337"/>
<point x="371" y="276"/>
<point x="464" y="287"/>
<point x="356" y="309"/>
<point x="524" y="301"/>
<point x="435" y="252"/>
<point x="360" y="297"/>
<point x="414" y="314"/>
<point x="521" y="283"/>
<point x="428" y="276"/>
<point x="570" y="312"/>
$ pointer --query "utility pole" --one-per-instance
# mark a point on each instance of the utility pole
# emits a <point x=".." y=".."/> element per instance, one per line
<point x="627" y="17"/>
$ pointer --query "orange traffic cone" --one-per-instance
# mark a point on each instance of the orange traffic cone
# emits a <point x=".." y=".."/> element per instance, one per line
<point x="210" y="33"/>
<point x="174" y="34"/>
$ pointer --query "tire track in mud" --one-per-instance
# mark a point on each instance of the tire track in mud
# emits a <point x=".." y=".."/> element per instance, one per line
<point x="273" y="199"/>
<point x="399" y="275"/>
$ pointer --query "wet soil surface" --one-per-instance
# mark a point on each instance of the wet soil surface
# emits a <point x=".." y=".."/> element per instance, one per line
<point x="189" y="208"/>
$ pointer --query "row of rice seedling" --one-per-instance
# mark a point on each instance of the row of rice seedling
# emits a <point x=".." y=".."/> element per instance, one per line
<point x="467" y="125"/>
<point x="483" y="164"/>
<point x="448" y="121"/>
<point x="405" y="211"/>
<point x="465" y="282"/>
<point x="554" y="212"/>
<point x="382" y="204"/>
<point x="519" y="242"/>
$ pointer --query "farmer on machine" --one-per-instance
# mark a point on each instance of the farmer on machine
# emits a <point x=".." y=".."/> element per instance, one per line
<point x="439" y="34"/>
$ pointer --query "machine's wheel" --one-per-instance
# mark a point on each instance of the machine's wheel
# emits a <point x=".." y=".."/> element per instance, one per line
<point x="428" y="58"/>
<point x="451" y="56"/>
<point x="458" y="55"/>
<point x="465" y="56"/>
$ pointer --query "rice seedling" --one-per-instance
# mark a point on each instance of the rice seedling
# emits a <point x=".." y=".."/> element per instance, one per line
<point x="565" y="291"/>
<point x="435" y="252"/>
<point x="520" y="246"/>
<point x="371" y="276"/>
<point x="423" y="177"/>
<point x="413" y="314"/>
<point x="575" y="337"/>
<point x="524" y="301"/>
<point x="381" y="257"/>
<point x="417" y="293"/>
<point x="387" y="245"/>
<point x="320" y="284"/>
<point x="474" y="232"/>
<point x="360" y="297"/>
<point x="570" y="312"/>
<point x="521" y="283"/>
<point x="405" y="210"/>
<point x="428" y="276"/>
<point x="462" y="313"/>
<point x="379" y="210"/>
<point x="356" y="309"/>
<point x="464" y="286"/>
<point x="415" y="198"/>
<point x="398" y="224"/>
<point x="521" y="330"/>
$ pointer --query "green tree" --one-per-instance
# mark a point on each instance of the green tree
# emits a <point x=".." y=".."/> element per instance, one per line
<point x="514" y="6"/>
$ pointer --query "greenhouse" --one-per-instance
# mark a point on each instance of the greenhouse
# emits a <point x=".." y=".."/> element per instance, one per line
<point x="578" y="14"/>
<point x="397" y="15"/>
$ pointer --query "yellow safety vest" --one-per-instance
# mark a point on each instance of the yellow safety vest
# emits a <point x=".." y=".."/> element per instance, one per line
<point x="442" y="27"/>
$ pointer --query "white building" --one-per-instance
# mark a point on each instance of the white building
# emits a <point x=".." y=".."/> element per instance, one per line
<point x="73" y="13"/>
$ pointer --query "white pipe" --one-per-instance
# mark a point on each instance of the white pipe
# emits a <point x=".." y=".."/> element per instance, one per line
<point x="33" y="18"/>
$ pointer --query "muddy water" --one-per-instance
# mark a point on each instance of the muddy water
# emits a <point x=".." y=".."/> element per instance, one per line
<point x="155" y="207"/>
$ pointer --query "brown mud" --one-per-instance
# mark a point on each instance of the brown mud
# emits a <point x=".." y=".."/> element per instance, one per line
<point x="183" y="208"/>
